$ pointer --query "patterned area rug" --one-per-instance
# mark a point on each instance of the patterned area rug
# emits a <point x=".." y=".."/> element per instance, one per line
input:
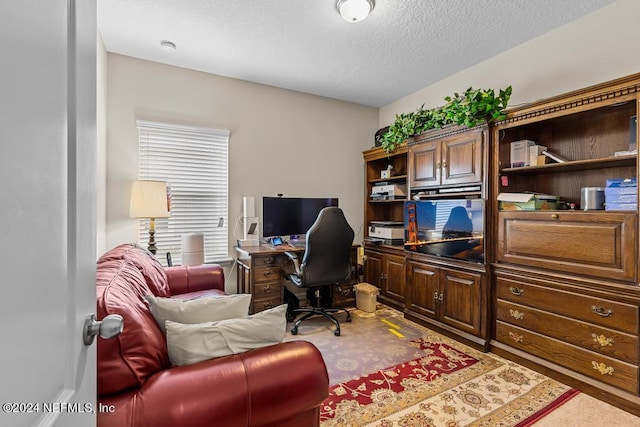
<point x="386" y="371"/>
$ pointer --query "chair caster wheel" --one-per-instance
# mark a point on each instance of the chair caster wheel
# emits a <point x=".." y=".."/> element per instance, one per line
<point x="294" y="331"/>
<point x="336" y="332"/>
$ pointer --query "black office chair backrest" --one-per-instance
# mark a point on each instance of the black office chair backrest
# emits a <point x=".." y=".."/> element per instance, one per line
<point x="327" y="257"/>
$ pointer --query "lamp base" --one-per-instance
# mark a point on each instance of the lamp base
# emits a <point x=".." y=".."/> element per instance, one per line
<point x="152" y="236"/>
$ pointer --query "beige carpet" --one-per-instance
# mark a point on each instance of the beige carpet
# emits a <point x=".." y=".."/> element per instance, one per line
<point x="489" y="392"/>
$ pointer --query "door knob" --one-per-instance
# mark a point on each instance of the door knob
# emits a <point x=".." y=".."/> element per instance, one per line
<point x="109" y="327"/>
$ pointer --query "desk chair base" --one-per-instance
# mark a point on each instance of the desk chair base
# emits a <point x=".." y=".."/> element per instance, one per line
<point x="326" y="312"/>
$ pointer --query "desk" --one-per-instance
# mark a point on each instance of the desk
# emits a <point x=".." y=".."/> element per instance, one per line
<point x="261" y="272"/>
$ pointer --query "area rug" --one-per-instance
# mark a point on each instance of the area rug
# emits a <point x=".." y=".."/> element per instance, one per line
<point x="386" y="371"/>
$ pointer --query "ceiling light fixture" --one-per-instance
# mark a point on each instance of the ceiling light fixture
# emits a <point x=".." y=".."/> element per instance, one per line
<point x="168" y="45"/>
<point x="354" y="10"/>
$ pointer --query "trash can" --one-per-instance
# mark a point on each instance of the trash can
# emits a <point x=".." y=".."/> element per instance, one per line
<point x="366" y="296"/>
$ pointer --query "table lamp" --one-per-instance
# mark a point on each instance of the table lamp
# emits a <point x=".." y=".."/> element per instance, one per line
<point x="150" y="199"/>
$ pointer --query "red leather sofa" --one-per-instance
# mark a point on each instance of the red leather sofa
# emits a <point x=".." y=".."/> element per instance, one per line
<point x="280" y="385"/>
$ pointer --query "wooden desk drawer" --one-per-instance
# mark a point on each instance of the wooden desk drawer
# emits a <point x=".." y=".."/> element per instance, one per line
<point x="597" y="366"/>
<point x="267" y="290"/>
<point x="266" y="303"/>
<point x="598" y="311"/>
<point x="267" y="274"/>
<point x="267" y="261"/>
<point x="587" y="243"/>
<point x="601" y="340"/>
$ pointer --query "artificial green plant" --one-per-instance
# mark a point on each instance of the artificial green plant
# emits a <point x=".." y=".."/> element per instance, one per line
<point x="471" y="108"/>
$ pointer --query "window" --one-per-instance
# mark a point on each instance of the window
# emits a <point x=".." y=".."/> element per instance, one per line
<point x="194" y="161"/>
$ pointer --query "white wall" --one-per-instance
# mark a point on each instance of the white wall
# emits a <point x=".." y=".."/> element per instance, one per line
<point x="599" y="47"/>
<point x="281" y="141"/>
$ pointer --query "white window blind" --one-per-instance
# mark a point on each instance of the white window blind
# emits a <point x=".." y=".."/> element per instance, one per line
<point x="194" y="161"/>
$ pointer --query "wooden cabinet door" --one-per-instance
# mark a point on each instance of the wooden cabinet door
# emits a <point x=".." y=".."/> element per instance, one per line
<point x="422" y="289"/>
<point x="425" y="165"/>
<point x="373" y="269"/>
<point x="394" y="277"/>
<point x="462" y="158"/>
<point x="460" y="305"/>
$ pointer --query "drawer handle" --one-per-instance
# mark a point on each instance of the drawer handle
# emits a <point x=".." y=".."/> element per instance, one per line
<point x="516" y="291"/>
<point x="267" y="305"/>
<point x="602" y="340"/>
<point x="516" y="314"/>
<point x="435" y="296"/>
<point x="602" y="368"/>
<point x="440" y="296"/>
<point x="267" y="273"/>
<point x="267" y="288"/>
<point x="601" y="311"/>
<point x="516" y="337"/>
<point x="554" y="216"/>
<point x="268" y="260"/>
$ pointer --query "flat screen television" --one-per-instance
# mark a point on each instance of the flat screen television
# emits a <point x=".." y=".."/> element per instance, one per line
<point x="451" y="228"/>
<point x="291" y="216"/>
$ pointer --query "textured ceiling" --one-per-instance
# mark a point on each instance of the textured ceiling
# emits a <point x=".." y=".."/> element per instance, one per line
<point x="304" y="45"/>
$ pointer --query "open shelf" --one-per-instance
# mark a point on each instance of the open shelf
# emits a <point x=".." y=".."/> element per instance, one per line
<point x="613" y="161"/>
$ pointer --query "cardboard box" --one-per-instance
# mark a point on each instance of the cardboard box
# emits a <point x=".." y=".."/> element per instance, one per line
<point x="535" y="155"/>
<point x="527" y="201"/>
<point x="519" y="155"/>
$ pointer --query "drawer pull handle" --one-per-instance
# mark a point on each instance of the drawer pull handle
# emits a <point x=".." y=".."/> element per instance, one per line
<point x="440" y="296"/>
<point x="435" y="296"/>
<point x="602" y="340"/>
<point x="268" y="260"/>
<point x="267" y="288"/>
<point x="267" y="305"/>
<point x="516" y="337"/>
<point x="554" y="216"/>
<point x="516" y="314"/>
<point x="602" y="368"/>
<point x="267" y="273"/>
<point x="601" y="311"/>
<point x="516" y="291"/>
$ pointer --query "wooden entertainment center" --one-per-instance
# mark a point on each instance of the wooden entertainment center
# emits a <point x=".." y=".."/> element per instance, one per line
<point x="558" y="290"/>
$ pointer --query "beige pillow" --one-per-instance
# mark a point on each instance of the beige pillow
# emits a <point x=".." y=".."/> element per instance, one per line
<point x="205" y="309"/>
<point x="188" y="344"/>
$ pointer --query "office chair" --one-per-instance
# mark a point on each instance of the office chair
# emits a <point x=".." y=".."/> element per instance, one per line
<point x="326" y="261"/>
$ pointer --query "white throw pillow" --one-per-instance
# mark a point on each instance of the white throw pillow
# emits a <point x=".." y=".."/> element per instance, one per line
<point x="188" y="344"/>
<point x="205" y="309"/>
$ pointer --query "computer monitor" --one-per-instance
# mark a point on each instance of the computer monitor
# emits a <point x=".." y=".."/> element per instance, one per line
<point x="291" y="216"/>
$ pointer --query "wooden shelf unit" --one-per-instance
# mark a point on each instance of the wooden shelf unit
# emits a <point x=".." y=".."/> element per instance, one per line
<point x="565" y="288"/>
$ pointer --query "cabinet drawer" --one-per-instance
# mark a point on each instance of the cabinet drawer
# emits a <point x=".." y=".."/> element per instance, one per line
<point x="593" y="310"/>
<point x="602" y="368"/>
<point x="267" y="289"/>
<point x="594" y="244"/>
<point x="267" y="274"/>
<point x="266" y="303"/>
<point x="601" y="340"/>
<point x="267" y="261"/>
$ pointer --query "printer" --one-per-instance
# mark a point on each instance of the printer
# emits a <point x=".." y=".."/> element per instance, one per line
<point x="385" y="191"/>
<point x="387" y="232"/>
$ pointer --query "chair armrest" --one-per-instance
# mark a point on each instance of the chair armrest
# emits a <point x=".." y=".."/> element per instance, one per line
<point x="293" y="257"/>
<point x="258" y="387"/>
<point x="191" y="278"/>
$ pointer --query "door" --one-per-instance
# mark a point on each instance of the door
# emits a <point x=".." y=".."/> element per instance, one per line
<point x="462" y="158"/>
<point x="394" y="277"/>
<point x="373" y="268"/>
<point x="423" y="295"/>
<point x="425" y="167"/>
<point x="48" y="191"/>
<point x="460" y="306"/>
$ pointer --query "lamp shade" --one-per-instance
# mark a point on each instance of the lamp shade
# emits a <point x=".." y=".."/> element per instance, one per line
<point x="149" y="199"/>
